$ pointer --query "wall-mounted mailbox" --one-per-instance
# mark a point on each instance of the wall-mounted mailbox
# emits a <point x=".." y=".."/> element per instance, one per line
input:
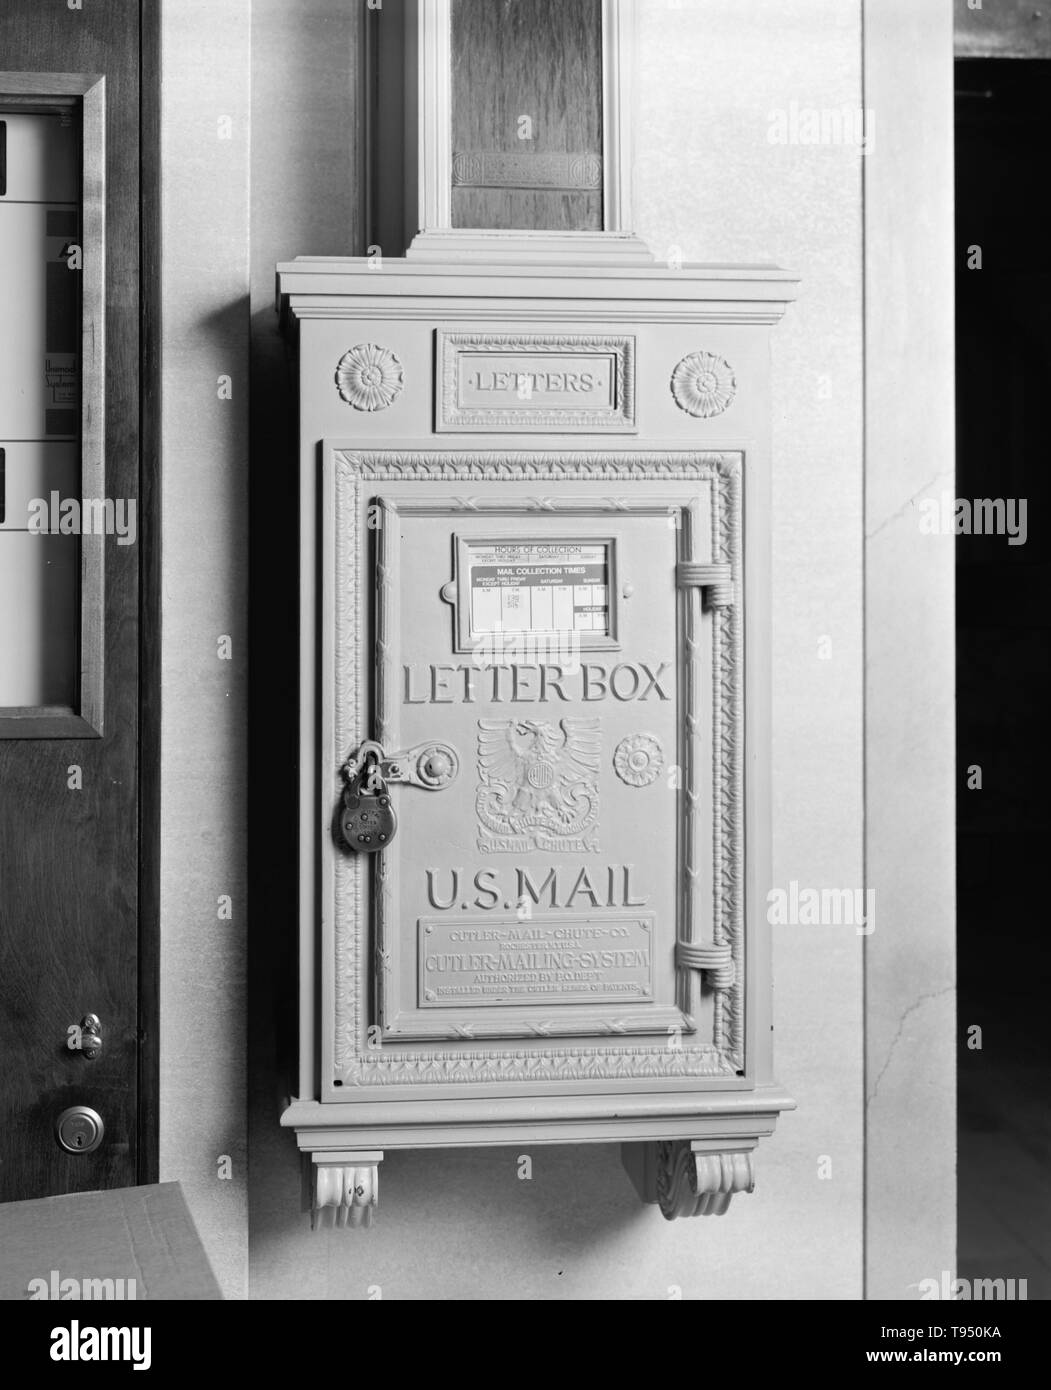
<point x="535" y="716"/>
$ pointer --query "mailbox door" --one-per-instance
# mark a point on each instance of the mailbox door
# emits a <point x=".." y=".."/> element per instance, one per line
<point x="550" y="660"/>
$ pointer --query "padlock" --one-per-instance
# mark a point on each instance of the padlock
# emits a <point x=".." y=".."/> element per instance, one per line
<point x="367" y="821"/>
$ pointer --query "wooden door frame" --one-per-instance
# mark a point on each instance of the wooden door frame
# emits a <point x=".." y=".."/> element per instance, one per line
<point x="112" y="67"/>
<point x="149" y="947"/>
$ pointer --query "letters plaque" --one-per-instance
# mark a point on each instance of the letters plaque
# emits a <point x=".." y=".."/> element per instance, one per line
<point x="568" y="383"/>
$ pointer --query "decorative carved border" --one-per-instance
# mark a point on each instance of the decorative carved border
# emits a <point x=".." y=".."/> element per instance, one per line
<point x="451" y="417"/>
<point x="728" y="767"/>
<point x="354" y="1062"/>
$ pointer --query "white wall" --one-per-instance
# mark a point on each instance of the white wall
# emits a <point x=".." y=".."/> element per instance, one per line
<point x="204" y="476"/>
<point x="712" y="75"/>
<point x="910" y="714"/>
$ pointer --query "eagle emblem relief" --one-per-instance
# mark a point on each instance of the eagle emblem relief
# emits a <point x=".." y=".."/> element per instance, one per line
<point x="538" y="784"/>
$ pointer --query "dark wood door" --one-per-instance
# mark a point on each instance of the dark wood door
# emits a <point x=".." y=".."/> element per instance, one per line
<point x="69" y="777"/>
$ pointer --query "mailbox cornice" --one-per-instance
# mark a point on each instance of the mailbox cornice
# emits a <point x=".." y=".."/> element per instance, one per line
<point x="335" y="287"/>
<point x="447" y="1122"/>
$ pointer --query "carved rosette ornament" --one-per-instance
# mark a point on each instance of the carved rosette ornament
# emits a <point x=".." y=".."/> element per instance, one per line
<point x="639" y="759"/>
<point x="369" y="377"/>
<point x="700" y="1184"/>
<point x="703" y="384"/>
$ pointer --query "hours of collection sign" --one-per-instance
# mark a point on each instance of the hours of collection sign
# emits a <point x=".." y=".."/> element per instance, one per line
<point x="539" y="588"/>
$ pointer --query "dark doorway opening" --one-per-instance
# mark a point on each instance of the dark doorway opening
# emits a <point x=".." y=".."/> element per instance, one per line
<point x="1003" y="347"/>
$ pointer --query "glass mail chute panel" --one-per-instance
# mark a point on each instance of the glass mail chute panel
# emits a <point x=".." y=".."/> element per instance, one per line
<point x="527" y="115"/>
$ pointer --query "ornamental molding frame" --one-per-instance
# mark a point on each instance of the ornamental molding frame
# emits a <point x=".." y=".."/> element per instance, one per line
<point x="347" y="1051"/>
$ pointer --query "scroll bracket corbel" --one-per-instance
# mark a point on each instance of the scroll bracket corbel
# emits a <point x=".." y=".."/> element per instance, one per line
<point x="345" y="1189"/>
<point x="690" y="1177"/>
